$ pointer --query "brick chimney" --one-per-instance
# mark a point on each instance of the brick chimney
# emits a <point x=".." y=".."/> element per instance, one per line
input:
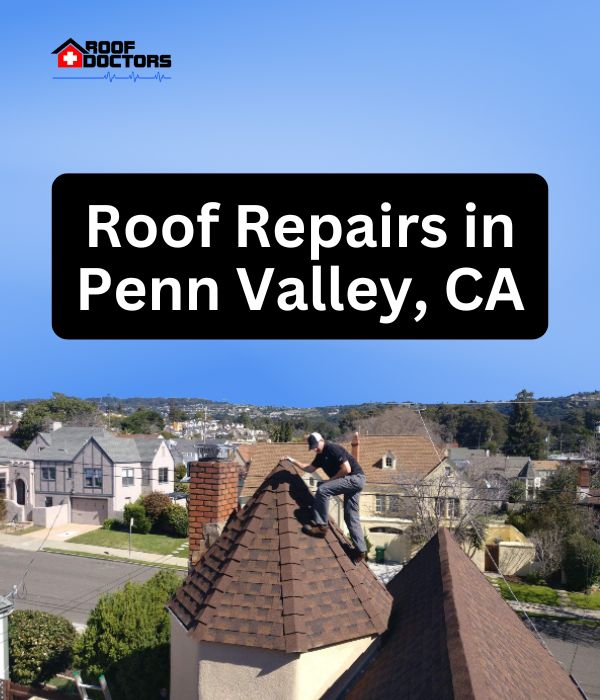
<point x="213" y="496"/>
<point x="583" y="481"/>
<point x="355" y="444"/>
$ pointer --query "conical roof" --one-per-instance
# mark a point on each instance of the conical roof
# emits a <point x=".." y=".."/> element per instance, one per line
<point x="264" y="583"/>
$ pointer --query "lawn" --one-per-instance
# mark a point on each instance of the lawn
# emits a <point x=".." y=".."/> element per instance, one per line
<point x="22" y="530"/>
<point x="155" y="544"/>
<point x="530" y="594"/>
<point x="590" y="602"/>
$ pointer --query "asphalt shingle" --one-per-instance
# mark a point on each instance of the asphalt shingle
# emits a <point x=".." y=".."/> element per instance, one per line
<point x="266" y="584"/>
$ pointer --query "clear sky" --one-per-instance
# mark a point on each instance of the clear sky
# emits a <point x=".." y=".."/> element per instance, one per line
<point x="306" y="87"/>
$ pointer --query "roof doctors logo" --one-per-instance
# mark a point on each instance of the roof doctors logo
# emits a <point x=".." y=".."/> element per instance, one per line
<point x="110" y="56"/>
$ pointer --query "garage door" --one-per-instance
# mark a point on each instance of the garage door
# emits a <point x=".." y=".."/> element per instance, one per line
<point x="89" y="511"/>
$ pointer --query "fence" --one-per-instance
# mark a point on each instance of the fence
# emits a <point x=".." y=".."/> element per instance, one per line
<point x="9" y="690"/>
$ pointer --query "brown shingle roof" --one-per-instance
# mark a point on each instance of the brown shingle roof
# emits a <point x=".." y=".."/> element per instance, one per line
<point x="415" y="457"/>
<point x="266" y="584"/>
<point x="451" y="637"/>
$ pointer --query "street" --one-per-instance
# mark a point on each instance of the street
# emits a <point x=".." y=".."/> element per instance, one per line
<point x="64" y="585"/>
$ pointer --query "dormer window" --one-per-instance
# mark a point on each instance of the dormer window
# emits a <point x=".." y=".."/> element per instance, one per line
<point x="388" y="460"/>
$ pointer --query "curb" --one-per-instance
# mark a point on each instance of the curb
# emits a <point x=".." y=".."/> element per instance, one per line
<point x="108" y="557"/>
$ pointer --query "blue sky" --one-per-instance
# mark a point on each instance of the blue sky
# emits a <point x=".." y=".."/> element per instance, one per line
<point x="306" y="87"/>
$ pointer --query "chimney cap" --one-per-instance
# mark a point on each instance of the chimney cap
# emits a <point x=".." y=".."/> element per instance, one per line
<point x="213" y="451"/>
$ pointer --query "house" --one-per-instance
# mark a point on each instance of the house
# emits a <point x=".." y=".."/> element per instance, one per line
<point x="70" y="54"/>
<point x="393" y="465"/>
<point x="16" y="480"/>
<point x="183" y="451"/>
<point x="268" y="612"/>
<point x="94" y="473"/>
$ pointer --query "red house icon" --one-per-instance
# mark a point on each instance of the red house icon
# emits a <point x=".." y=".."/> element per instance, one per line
<point x="70" y="54"/>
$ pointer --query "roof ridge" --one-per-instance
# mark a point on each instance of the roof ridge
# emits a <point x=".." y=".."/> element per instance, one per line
<point x="264" y="583"/>
<point x="462" y="682"/>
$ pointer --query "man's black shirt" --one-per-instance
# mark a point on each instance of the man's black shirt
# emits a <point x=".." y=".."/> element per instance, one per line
<point x="332" y="458"/>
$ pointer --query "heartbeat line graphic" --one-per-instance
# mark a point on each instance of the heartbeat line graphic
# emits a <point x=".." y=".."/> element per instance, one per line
<point x="133" y="76"/>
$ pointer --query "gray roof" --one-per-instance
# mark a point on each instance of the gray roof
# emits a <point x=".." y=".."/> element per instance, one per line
<point x="147" y="447"/>
<point x="528" y="472"/>
<point x="464" y="453"/>
<point x="119" y="449"/>
<point x="8" y="450"/>
<point x="64" y="443"/>
<point x="181" y="448"/>
<point x="476" y="466"/>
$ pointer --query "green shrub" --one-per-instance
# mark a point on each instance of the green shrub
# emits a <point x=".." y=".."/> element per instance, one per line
<point x="40" y="645"/>
<point x="155" y="504"/>
<point x="141" y="522"/>
<point x="180" y="471"/>
<point x="112" y="524"/>
<point x="174" y="521"/>
<point x="581" y="562"/>
<point x="2" y="509"/>
<point x="127" y="639"/>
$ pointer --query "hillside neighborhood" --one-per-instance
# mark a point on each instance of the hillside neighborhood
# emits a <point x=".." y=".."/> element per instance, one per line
<point x="466" y="514"/>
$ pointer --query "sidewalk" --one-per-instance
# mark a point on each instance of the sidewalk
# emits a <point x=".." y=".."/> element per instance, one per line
<point x="569" y="612"/>
<point x="55" y="539"/>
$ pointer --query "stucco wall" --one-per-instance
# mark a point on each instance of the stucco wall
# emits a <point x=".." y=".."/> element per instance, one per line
<point x="52" y="516"/>
<point x="185" y="660"/>
<point x="319" y="669"/>
<point x="515" y="557"/>
<point x="163" y="458"/>
<point x="398" y="545"/>
<point x="209" y="671"/>
<point x="124" y="494"/>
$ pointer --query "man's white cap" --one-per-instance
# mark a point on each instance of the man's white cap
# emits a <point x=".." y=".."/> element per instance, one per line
<point x="313" y="440"/>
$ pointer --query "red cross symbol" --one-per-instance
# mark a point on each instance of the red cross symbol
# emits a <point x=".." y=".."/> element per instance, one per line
<point x="70" y="57"/>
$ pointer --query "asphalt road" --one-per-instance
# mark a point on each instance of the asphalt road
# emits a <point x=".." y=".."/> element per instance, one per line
<point x="64" y="585"/>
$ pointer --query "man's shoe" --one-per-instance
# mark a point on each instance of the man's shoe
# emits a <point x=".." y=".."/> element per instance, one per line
<point x="314" y="530"/>
<point x="356" y="555"/>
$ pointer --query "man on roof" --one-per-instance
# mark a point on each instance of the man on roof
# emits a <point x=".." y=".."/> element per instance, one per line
<point x="346" y="478"/>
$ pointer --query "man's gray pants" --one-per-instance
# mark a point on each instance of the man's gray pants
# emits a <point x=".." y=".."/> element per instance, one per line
<point x="350" y="487"/>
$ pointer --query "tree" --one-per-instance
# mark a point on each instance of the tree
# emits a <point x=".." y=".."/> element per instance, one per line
<point x="155" y="504"/>
<point x="174" y="521"/>
<point x="144" y="420"/>
<point x="2" y="509"/>
<point x="127" y="639"/>
<point x="549" y="548"/>
<point x="581" y="562"/>
<point x="524" y="437"/>
<point x="446" y="498"/>
<point x="141" y="522"/>
<point x="69" y="410"/>
<point x="281" y="432"/>
<point x="40" y="645"/>
<point x="516" y="491"/>
<point x="176" y="414"/>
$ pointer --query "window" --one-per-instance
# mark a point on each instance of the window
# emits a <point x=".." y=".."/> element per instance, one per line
<point x="69" y="472"/>
<point x="145" y="476"/>
<point x="387" y="504"/>
<point x="49" y="473"/>
<point x="92" y="478"/>
<point x="128" y="476"/>
<point x="163" y="475"/>
<point x="453" y="507"/>
<point x="2" y="485"/>
<point x="48" y="502"/>
<point x="389" y="461"/>
<point x="447" y="507"/>
<point x="394" y="504"/>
